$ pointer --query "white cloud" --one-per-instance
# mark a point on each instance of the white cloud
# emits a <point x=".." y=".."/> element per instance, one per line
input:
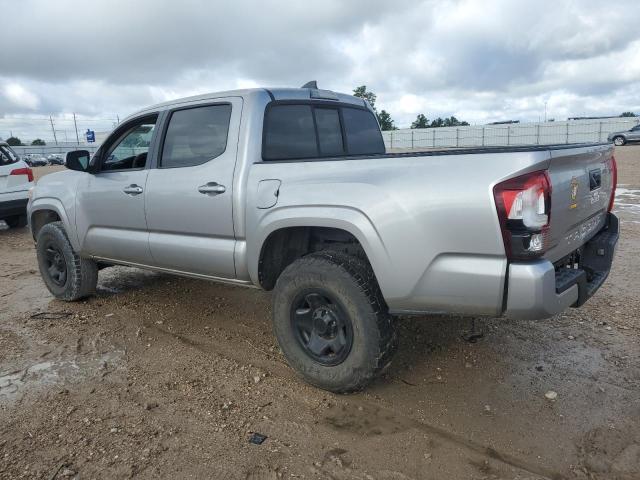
<point x="20" y="96"/>
<point x="480" y="60"/>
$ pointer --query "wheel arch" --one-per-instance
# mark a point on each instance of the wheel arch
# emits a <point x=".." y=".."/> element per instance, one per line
<point x="48" y="210"/>
<point x="305" y="230"/>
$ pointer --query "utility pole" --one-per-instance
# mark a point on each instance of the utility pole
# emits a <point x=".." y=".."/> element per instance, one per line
<point x="55" y="139"/>
<point x="545" y="110"/>
<point x="76" y="125"/>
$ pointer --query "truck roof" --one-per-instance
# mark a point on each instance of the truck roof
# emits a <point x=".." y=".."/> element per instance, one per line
<point x="274" y="93"/>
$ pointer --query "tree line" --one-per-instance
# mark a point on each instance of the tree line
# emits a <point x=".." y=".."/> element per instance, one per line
<point x="421" y="121"/>
<point x="384" y="118"/>
<point x="16" y="142"/>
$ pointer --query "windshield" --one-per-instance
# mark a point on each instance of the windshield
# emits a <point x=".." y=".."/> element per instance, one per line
<point x="7" y="156"/>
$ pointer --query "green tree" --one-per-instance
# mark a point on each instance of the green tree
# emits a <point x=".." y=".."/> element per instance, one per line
<point x="38" y="142"/>
<point x="385" y="120"/>
<point x="420" y="122"/>
<point x="448" y="122"/>
<point x="14" y="141"/>
<point x="370" y="97"/>
<point x="628" y="114"/>
<point x="454" y="122"/>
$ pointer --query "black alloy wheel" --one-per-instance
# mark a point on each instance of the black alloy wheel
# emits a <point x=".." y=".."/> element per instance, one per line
<point x="322" y="327"/>
<point x="55" y="263"/>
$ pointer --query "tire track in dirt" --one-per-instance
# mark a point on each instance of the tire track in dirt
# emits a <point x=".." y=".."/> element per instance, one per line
<point x="279" y="367"/>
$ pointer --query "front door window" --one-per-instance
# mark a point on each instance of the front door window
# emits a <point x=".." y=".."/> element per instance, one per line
<point x="131" y="149"/>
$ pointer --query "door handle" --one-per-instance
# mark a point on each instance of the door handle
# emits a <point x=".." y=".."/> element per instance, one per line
<point x="133" y="189"/>
<point x="212" y="188"/>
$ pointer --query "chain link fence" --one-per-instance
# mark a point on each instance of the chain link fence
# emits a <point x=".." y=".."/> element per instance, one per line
<point x="60" y="133"/>
<point x="66" y="132"/>
<point x="548" y="133"/>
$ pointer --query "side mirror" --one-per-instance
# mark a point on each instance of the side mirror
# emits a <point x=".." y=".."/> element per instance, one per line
<point x="78" y="160"/>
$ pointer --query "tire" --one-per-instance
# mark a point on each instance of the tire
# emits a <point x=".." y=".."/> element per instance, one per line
<point x="619" y="141"/>
<point x="68" y="276"/>
<point x="17" y="221"/>
<point x="354" y="315"/>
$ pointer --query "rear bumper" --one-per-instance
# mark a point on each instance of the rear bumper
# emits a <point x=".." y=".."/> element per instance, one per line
<point x="540" y="289"/>
<point x="9" y="208"/>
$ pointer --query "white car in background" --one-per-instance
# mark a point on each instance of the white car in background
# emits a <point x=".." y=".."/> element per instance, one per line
<point x="16" y="178"/>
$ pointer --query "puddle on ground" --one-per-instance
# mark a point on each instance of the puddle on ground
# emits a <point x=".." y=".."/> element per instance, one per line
<point x="628" y="203"/>
<point x="117" y="279"/>
<point x="365" y="421"/>
<point x="16" y="383"/>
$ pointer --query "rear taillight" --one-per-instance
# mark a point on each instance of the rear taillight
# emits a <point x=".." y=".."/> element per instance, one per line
<point x="23" y="171"/>
<point x="524" y="209"/>
<point x="613" y="172"/>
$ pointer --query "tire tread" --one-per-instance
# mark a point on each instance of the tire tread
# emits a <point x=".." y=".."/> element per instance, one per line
<point x="363" y="277"/>
<point x="82" y="274"/>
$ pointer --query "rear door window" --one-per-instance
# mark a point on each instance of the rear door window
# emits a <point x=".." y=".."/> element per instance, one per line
<point x="196" y="135"/>
<point x="362" y="132"/>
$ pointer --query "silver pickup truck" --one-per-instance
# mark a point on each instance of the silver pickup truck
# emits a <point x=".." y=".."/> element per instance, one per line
<point x="292" y="190"/>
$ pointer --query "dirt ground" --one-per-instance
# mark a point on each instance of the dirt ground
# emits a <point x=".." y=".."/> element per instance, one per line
<point x="159" y="376"/>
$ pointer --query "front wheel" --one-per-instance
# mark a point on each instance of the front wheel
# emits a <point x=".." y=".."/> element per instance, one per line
<point x="331" y="321"/>
<point x="68" y="276"/>
<point x="619" y="141"/>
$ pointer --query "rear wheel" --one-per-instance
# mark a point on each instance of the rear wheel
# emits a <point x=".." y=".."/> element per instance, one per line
<point x="17" y="221"/>
<point x="619" y="141"/>
<point x="68" y="276"/>
<point x="331" y="321"/>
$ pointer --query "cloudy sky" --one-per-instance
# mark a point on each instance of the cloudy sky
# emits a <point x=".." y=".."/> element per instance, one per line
<point x="480" y="60"/>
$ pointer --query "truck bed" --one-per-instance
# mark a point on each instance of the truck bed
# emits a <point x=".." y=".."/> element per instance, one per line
<point x="456" y="151"/>
<point x="430" y="228"/>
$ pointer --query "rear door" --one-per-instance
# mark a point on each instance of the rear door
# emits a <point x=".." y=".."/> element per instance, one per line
<point x="110" y="215"/>
<point x="189" y="193"/>
<point x="581" y="182"/>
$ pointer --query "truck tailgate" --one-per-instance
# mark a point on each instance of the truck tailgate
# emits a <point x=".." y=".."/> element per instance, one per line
<point x="582" y="183"/>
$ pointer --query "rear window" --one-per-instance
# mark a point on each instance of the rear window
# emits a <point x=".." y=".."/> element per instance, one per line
<point x="329" y="131"/>
<point x="290" y="133"/>
<point x="363" y="134"/>
<point x="301" y="131"/>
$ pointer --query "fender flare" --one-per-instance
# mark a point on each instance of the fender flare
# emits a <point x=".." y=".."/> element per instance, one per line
<point x="55" y="205"/>
<point x="349" y="219"/>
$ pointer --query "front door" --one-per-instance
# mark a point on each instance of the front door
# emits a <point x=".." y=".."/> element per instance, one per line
<point x="110" y="214"/>
<point x="189" y="194"/>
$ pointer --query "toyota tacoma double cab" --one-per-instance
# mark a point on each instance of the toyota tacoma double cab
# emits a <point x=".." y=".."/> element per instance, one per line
<point x="291" y="190"/>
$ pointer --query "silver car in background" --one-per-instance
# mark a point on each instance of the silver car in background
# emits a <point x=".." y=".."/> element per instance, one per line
<point x="622" y="138"/>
